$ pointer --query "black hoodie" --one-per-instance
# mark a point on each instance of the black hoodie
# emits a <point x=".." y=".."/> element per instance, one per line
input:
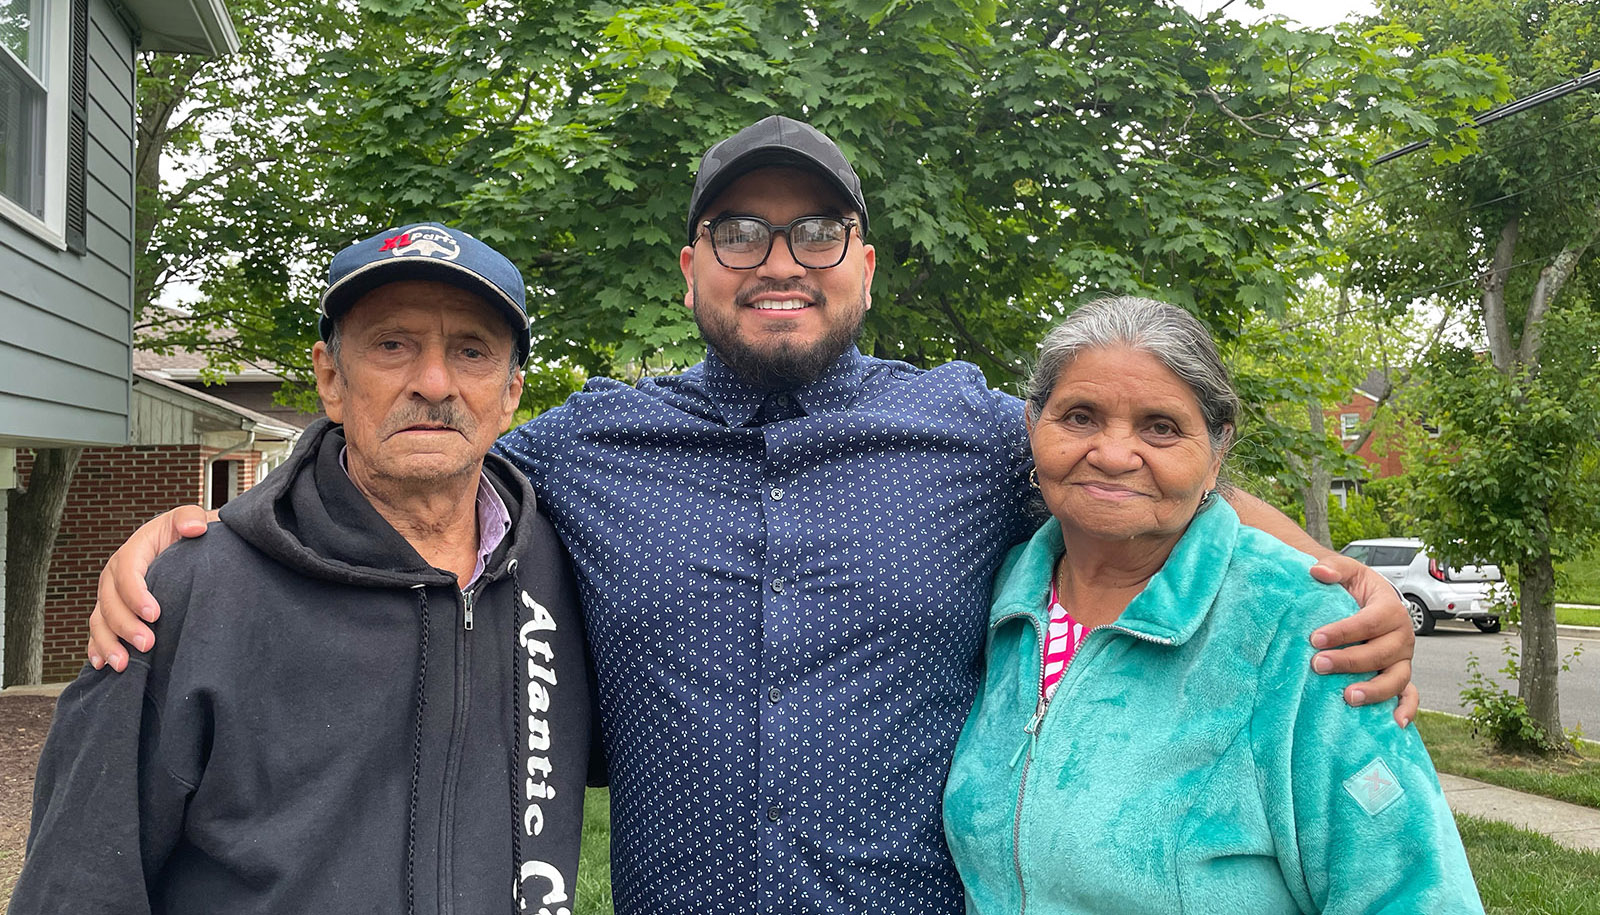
<point x="327" y="723"/>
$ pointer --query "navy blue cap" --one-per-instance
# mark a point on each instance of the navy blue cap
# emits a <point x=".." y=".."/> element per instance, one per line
<point x="775" y="141"/>
<point x="427" y="251"/>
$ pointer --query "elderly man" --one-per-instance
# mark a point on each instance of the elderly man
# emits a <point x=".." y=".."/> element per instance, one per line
<point x="368" y="692"/>
<point x="785" y="556"/>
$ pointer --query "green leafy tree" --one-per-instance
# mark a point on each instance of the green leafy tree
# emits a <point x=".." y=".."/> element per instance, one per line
<point x="1509" y="231"/>
<point x="1288" y="371"/>
<point x="1019" y="157"/>
<point x="232" y="198"/>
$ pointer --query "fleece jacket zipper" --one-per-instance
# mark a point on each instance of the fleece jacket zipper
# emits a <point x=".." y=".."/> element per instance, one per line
<point x="1035" y="723"/>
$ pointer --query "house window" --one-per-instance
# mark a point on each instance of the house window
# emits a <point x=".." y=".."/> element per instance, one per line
<point x="43" y="54"/>
<point x="1347" y="426"/>
<point x="22" y="103"/>
<point x="1342" y="490"/>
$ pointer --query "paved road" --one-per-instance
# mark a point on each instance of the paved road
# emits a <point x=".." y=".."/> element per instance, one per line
<point x="1440" y="671"/>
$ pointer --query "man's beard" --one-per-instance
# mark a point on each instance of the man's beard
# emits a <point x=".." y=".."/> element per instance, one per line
<point x="784" y="365"/>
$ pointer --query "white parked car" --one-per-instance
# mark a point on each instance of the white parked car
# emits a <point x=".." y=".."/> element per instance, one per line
<point x="1433" y="591"/>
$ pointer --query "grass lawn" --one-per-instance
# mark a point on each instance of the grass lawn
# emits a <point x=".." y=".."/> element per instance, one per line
<point x="1524" y="873"/>
<point x="1455" y="750"/>
<point x="1578" y="616"/>
<point x="594" y="859"/>
<point x="1581" y="585"/>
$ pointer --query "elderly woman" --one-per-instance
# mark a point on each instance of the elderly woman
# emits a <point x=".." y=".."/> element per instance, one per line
<point x="1149" y="736"/>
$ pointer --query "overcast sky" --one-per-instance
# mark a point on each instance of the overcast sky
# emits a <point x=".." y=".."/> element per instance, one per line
<point x="1314" y="13"/>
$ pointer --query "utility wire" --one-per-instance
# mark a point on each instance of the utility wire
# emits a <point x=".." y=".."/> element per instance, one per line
<point x="1500" y="150"/>
<point x="1462" y="211"/>
<point x="1517" y="106"/>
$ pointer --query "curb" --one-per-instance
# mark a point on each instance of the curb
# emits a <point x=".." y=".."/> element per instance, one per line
<point x="36" y="689"/>
<point x="1562" y="631"/>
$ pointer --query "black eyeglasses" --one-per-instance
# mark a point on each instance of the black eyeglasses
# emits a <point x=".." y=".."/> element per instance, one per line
<point x="744" y="242"/>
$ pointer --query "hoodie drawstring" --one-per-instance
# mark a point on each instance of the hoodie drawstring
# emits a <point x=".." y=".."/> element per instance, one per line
<point x="519" y="665"/>
<point x="416" y="754"/>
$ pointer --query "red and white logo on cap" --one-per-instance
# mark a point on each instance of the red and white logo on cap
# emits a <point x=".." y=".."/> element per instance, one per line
<point x="423" y="241"/>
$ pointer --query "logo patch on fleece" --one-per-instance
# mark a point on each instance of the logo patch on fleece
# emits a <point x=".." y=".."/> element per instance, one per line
<point x="1374" y="787"/>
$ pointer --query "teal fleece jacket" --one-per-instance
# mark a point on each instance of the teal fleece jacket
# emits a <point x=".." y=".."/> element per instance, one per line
<point x="1190" y="760"/>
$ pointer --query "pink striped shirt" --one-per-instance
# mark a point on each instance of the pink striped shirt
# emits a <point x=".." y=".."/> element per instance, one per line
<point x="1060" y="644"/>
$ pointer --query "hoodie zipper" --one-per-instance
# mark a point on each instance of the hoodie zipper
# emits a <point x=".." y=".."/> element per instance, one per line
<point x="452" y="772"/>
<point x="1035" y="724"/>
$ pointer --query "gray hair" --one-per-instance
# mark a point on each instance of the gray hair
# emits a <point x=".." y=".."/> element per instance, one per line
<point x="1166" y="332"/>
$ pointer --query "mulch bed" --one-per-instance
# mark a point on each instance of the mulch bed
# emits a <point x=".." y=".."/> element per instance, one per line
<point x="24" y="722"/>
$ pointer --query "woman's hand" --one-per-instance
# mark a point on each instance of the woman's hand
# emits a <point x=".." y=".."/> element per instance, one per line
<point x="1382" y="626"/>
<point x="123" y="605"/>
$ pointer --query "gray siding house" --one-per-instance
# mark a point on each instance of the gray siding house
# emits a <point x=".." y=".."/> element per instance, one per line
<point x="67" y="120"/>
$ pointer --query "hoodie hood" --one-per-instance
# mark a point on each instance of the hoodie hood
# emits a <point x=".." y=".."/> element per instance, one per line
<point x="309" y="516"/>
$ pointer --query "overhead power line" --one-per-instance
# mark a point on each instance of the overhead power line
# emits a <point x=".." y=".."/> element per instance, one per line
<point x="1526" y="103"/>
<point x="1499" y="150"/>
<point x="1560" y="90"/>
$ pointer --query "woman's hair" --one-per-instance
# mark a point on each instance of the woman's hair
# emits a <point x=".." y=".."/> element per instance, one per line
<point x="1166" y="332"/>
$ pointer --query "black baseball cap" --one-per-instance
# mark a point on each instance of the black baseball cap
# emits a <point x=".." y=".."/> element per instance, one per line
<point x="427" y="251"/>
<point x="773" y="141"/>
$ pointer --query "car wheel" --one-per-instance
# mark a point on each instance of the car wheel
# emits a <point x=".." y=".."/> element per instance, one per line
<point x="1490" y="624"/>
<point x="1421" y="619"/>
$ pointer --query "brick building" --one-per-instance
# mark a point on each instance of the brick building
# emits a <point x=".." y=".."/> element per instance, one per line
<point x="186" y="446"/>
<point x="1353" y="418"/>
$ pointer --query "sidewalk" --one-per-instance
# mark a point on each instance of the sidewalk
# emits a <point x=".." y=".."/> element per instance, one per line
<point x="1571" y="825"/>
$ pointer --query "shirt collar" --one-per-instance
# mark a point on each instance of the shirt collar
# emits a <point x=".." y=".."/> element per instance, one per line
<point x="738" y="401"/>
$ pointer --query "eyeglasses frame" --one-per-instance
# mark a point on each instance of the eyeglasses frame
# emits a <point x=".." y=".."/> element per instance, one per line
<point x="708" y="229"/>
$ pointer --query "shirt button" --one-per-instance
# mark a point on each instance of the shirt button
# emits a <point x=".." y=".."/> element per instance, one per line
<point x="777" y="494"/>
<point x="777" y="585"/>
<point x="774" y="813"/>
<point x="774" y="694"/>
<point x="782" y="400"/>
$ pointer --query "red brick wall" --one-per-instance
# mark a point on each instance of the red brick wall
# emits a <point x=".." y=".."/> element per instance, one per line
<point x="115" y="490"/>
<point x="1387" y="465"/>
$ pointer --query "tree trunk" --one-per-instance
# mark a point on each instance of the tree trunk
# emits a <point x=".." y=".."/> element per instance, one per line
<point x="33" y="518"/>
<point x="1540" y="663"/>
<point x="1318" y="481"/>
<point x="1493" y="300"/>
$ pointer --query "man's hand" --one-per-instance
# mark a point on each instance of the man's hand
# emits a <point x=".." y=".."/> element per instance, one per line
<point x="123" y="605"/>
<point x="1382" y="624"/>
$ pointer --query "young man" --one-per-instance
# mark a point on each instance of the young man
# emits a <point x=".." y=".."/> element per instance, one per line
<point x="785" y="556"/>
<point x="368" y="692"/>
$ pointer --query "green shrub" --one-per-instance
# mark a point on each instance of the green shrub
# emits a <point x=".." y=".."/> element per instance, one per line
<point x="1358" y="519"/>
<point x="1501" y="716"/>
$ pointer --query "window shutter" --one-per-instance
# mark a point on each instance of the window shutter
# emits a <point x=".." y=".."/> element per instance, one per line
<point x="78" y="131"/>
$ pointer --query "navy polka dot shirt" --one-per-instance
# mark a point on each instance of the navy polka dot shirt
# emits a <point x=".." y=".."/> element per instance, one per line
<point x="786" y="598"/>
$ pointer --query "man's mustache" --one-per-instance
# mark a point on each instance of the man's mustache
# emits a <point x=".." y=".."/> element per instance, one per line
<point x="447" y="415"/>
